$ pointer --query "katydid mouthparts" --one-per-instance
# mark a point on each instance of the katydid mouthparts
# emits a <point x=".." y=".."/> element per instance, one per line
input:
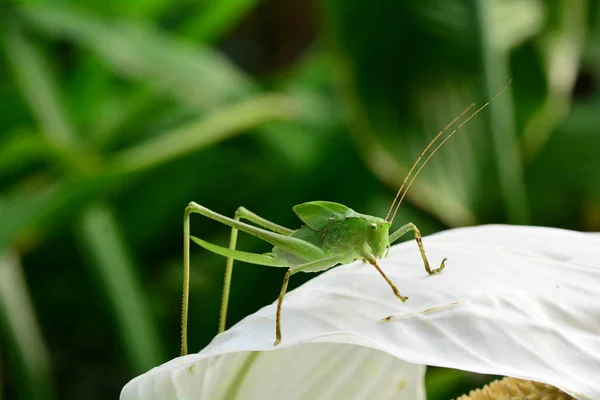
<point x="333" y="234"/>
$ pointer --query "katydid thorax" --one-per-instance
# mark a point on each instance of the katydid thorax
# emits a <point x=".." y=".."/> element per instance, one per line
<point x="332" y="234"/>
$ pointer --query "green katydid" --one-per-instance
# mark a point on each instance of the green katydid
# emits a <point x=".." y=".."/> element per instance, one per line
<point x="333" y="234"/>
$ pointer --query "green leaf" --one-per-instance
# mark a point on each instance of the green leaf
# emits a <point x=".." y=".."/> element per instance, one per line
<point x="217" y="17"/>
<point x="401" y="91"/>
<point x="24" y="209"/>
<point x="195" y="75"/>
<point x="501" y="121"/>
<point x="22" y="149"/>
<point x="37" y="84"/>
<point x="114" y="270"/>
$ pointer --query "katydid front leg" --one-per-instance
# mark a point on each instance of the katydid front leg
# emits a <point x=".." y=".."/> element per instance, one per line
<point x="373" y="262"/>
<point x="412" y="227"/>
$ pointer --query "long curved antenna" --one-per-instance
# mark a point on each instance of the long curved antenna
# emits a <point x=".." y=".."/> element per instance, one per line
<point x="440" y="133"/>
<point x="441" y="144"/>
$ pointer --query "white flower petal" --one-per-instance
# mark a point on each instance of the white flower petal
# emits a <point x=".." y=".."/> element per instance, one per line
<point x="306" y="371"/>
<point x="515" y="301"/>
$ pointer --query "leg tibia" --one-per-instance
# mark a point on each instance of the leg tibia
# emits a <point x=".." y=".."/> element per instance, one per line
<point x="412" y="227"/>
<point x="279" y="304"/>
<point x="242" y="213"/>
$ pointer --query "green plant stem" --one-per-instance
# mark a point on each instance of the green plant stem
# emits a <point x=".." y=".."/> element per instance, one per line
<point x="21" y="330"/>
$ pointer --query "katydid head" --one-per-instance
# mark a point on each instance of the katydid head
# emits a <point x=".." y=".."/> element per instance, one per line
<point x="378" y="232"/>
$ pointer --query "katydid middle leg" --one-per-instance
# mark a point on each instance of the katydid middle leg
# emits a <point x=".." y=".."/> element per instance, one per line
<point x="412" y="227"/>
<point x="242" y="213"/>
<point x="312" y="266"/>
<point x="286" y="279"/>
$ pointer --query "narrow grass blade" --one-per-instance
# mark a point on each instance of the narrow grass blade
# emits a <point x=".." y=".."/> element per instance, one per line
<point x="37" y="85"/>
<point x="20" y="328"/>
<point x="217" y="17"/>
<point x="99" y="234"/>
<point x="216" y="126"/>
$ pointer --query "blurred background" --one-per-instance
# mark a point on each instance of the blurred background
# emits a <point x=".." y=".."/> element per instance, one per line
<point x="115" y="114"/>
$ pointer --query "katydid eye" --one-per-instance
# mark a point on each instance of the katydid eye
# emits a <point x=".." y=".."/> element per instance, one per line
<point x="374" y="226"/>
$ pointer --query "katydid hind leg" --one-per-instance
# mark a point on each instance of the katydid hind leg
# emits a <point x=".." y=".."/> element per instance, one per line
<point x="298" y="247"/>
<point x="186" y="280"/>
<point x="412" y="227"/>
<point x="281" y="237"/>
<point x="242" y="213"/>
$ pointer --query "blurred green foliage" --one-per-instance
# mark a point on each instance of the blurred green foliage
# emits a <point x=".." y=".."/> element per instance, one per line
<point x="114" y="115"/>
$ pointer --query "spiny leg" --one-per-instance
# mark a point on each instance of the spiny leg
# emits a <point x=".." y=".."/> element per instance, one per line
<point x="240" y="213"/>
<point x="286" y="279"/>
<point x="311" y="266"/>
<point x="276" y="238"/>
<point x="411" y="227"/>
<point x="388" y="280"/>
<point x="186" y="279"/>
<point x="243" y="212"/>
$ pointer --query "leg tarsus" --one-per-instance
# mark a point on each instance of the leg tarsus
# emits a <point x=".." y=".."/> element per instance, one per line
<point x="279" y="304"/>
<point x="440" y="268"/>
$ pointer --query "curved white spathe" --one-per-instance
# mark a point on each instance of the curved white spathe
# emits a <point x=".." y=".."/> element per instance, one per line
<point x="515" y="301"/>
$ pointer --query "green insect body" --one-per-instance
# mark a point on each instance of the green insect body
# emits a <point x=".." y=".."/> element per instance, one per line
<point x="337" y="230"/>
<point x="333" y="234"/>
